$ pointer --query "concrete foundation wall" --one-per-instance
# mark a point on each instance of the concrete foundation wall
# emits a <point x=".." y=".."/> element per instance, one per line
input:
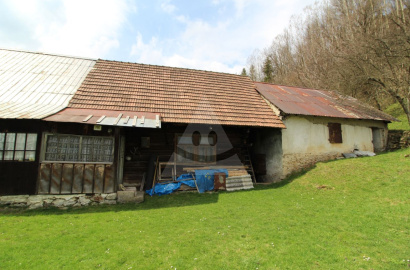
<point x="306" y="140"/>
<point x="269" y="143"/>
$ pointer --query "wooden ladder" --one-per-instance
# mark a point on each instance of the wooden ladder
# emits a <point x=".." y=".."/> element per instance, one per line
<point x="248" y="163"/>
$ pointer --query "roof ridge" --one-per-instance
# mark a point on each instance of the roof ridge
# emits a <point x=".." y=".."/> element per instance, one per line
<point x="294" y="86"/>
<point x="163" y="66"/>
<point x="50" y="54"/>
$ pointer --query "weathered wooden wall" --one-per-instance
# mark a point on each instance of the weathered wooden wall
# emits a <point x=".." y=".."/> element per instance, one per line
<point x="19" y="177"/>
<point x="230" y="142"/>
<point x="68" y="178"/>
<point x="76" y="178"/>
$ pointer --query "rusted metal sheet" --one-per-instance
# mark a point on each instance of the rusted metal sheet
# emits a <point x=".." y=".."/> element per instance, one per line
<point x="75" y="178"/>
<point x="109" y="179"/>
<point x="78" y="178"/>
<point x="67" y="178"/>
<point x="56" y="172"/>
<point x="88" y="178"/>
<point x="220" y="181"/>
<point x="44" y="178"/>
<point x="107" y="118"/>
<point x="302" y="101"/>
<point x="35" y="85"/>
<point x="99" y="179"/>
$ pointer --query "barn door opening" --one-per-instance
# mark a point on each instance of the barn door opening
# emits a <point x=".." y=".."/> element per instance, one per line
<point x="378" y="144"/>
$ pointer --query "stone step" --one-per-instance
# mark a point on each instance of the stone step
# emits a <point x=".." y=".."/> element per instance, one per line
<point x="128" y="196"/>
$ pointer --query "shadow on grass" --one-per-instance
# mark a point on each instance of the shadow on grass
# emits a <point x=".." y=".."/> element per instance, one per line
<point x="179" y="199"/>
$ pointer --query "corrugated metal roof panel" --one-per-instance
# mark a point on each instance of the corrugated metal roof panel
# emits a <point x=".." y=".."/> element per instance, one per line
<point x="301" y="101"/>
<point x="35" y="85"/>
<point x="107" y="118"/>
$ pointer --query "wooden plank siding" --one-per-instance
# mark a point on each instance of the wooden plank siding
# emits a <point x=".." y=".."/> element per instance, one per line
<point x="162" y="144"/>
<point x="76" y="177"/>
<point x="19" y="177"/>
<point x="72" y="178"/>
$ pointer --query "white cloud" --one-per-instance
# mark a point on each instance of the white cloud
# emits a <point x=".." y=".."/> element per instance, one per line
<point x="222" y="45"/>
<point x="75" y="27"/>
<point x="168" y="7"/>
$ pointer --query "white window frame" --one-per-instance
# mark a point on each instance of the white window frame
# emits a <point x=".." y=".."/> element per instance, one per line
<point x="3" y="149"/>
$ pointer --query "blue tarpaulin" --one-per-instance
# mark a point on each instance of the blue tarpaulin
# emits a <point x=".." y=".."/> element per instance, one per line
<point x="204" y="180"/>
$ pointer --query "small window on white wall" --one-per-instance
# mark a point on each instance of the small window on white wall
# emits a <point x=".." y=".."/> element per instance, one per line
<point x="335" y="133"/>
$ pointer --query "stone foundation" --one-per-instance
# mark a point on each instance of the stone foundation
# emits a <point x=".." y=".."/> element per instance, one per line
<point x="58" y="201"/>
<point x="296" y="162"/>
<point x="398" y="139"/>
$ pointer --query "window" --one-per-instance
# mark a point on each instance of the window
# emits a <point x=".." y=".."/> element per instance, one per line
<point x="335" y="133"/>
<point x="18" y="146"/>
<point x="75" y="148"/>
<point x="196" y="148"/>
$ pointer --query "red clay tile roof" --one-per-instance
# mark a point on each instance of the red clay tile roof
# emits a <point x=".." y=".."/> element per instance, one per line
<point x="302" y="101"/>
<point x="178" y="95"/>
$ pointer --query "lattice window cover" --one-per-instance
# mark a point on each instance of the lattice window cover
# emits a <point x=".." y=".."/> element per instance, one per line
<point x="75" y="148"/>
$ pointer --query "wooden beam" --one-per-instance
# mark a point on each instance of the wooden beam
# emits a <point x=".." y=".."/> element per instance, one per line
<point x="117" y="119"/>
<point x="100" y="119"/>
<point x="87" y="118"/>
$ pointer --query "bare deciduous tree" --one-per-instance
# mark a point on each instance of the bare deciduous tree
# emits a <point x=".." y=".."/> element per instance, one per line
<point x="358" y="47"/>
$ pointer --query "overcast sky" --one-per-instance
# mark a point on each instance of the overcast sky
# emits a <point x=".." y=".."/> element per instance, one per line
<point x="217" y="35"/>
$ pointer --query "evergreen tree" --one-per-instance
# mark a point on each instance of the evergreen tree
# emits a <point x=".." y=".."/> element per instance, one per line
<point x="267" y="70"/>
<point x="244" y="72"/>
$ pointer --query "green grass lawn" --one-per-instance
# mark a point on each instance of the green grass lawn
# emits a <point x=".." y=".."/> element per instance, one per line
<point x="359" y="219"/>
<point x="396" y="111"/>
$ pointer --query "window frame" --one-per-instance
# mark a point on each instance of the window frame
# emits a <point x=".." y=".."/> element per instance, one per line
<point x="195" y="149"/>
<point x="3" y="149"/>
<point x="335" y="133"/>
<point x="44" y="149"/>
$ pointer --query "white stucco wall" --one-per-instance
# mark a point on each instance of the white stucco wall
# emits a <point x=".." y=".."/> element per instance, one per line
<point x="305" y="140"/>
<point x="269" y="143"/>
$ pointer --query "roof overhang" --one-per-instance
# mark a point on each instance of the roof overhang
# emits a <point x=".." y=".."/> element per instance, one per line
<point x="107" y="118"/>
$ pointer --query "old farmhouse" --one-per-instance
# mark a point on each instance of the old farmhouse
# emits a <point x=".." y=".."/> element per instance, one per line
<point x="320" y="125"/>
<point x="71" y="125"/>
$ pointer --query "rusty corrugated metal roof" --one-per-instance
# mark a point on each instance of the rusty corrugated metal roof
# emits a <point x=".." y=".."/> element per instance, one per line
<point x="302" y="101"/>
<point x="35" y="85"/>
<point x="179" y="95"/>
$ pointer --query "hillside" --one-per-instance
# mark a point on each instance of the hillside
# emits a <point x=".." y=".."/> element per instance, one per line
<point x="344" y="214"/>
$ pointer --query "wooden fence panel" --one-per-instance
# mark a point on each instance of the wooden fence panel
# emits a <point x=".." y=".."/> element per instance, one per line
<point x="109" y="179"/>
<point x="67" y="178"/>
<point x="78" y="178"/>
<point x="56" y="171"/>
<point x="98" y="178"/>
<point x="88" y="178"/>
<point x="70" y="178"/>
<point x="44" y="179"/>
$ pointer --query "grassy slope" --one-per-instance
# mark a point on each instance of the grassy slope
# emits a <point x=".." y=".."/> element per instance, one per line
<point x="362" y="213"/>
<point x="396" y="111"/>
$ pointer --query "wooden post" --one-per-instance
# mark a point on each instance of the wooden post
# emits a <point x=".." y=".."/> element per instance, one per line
<point x="117" y="134"/>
